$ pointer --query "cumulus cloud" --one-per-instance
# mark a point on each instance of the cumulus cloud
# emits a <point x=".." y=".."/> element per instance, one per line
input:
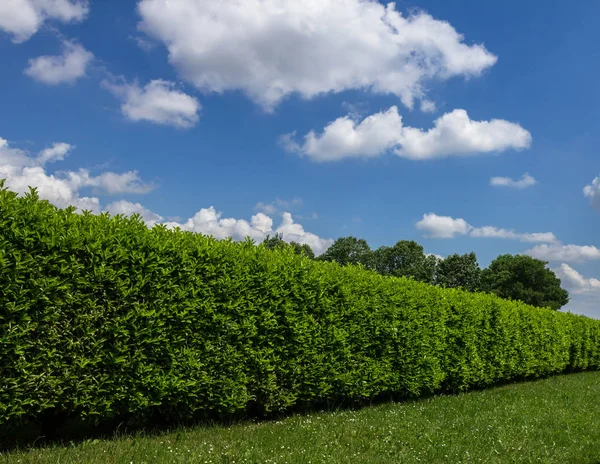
<point x="346" y="138"/>
<point x="574" y="282"/>
<point x="448" y="227"/>
<point x="568" y="253"/>
<point x="592" y="192"/>
<point x="525" y="181"/>
<point x="110" y="182"/>
<point x="21" y="171"/>
<point x="158" y="102"/>
<point x="443" y="226"/>
<point x="209" y="221"/>
<point x="294" y="232"/>
<point x="61" y="69"/>
<point x="273" y="48"/>
<point x="56" y="152"/>
<point x="17" y="158"/>
<point x="63" y="189"/>
<point x="453" y="134"/>
<point x="23" y="18"/>
<point x="496" y="232"/>
<point x="127" y="208"/>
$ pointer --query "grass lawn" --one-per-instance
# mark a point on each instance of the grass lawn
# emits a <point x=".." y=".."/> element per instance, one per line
<point x="555" y="420"/>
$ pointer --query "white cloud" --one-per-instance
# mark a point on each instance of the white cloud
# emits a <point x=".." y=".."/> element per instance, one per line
<point x="345" y="137"/>
<point x="592" y="192"/>
<point x="525" y="181"/>
<point x="13" y="157"/>
<point x="56" y="152"/>
<point x="294" y="232"/>
<point x="448" y="227"/>
<point x="50" y="187"/>
<point x="427" y="106"/>
<point x="110" y="182"/>
<point x="16" y="158"/>
<point x="453" y="133"/>
<point x="158" y="102"/>
<point x="272" y="48"/>
<point x="22" y="171"/>
<point x="443" y="226"/>
<point x="23" y="18"/>
<point x="496" y="232"/>
<point x="208" y="221"/>
<point x="574" y="282"/>
<point x="62" y="189"/>
<point x="568" y="253"/>
<point x="128" y="208"/>
<point x="61" y="69"/>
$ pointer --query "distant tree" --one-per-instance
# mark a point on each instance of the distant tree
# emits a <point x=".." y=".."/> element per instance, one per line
<point x="304" y="250"/>
<point x="348" y="250"/>
<point x="405" y="258"/>
<point x="459" y="271"/>
<point x="526" y="279"/>
<point x="275" y="242"/>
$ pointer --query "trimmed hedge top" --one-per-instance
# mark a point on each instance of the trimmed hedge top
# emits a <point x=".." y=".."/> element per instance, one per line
<point x="101" y="316"/>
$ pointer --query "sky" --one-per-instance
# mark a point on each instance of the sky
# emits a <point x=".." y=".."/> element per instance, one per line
<point x="464" y="125"/>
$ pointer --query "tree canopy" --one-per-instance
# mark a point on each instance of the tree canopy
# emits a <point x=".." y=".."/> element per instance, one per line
<point x="303" y="249"/>
<point x="526" y="279"/>
<point x="405" y="259"/>
<point x="459" y="271"/>
<point x="276" y="242"/>
<point x="517" y="277"/>
<point x="348" y="250"/>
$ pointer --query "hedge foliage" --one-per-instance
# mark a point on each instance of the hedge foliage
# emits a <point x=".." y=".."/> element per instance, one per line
<point x="101" y="317"/>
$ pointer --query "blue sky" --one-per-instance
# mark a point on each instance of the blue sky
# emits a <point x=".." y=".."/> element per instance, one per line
<point x="318" y="119"/>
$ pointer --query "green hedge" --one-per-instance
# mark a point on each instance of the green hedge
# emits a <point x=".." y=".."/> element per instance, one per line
<point x="102" y="317"/>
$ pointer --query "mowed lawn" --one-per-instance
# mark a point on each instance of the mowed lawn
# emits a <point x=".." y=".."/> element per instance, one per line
<point x="554" y="420"/>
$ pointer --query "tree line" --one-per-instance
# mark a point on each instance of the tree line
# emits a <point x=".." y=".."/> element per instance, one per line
<point x="515" y="277"/>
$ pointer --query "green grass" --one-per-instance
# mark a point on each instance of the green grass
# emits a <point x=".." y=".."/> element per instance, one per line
<point x="555" y="420"/>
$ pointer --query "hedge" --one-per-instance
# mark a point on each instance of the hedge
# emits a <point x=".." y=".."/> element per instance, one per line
<point x="101" y="317"/>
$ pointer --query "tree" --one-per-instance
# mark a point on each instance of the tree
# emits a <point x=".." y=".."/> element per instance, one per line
<point x="459" y="271"/>
<point x="526" y="279"/>
<point x="304" y="250"/>
<point x="348" y="250"/>
<point x="274" y="243"/>
<point x="277" y="243"/>
<point x="405" y="258"/>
